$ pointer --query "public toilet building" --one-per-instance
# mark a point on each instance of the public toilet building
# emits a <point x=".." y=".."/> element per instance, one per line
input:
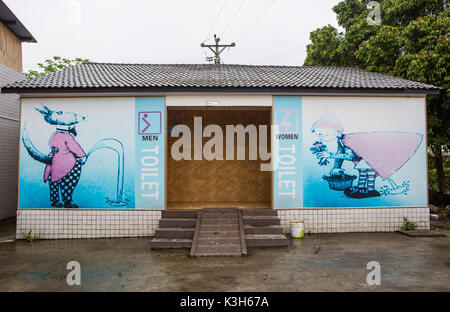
<point x="105" y="149"/>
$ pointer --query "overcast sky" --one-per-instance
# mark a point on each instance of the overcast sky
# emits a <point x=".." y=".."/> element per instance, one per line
<point x="170" y="31"/>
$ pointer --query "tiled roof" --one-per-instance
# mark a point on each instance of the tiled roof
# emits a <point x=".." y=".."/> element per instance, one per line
<point x="191" y="77"/>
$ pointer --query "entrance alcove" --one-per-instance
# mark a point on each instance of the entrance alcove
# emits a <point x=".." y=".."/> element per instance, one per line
<point x="196" y="184"/>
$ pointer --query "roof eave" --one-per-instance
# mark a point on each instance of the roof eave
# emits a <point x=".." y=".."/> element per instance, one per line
<point x="24" y="91"/>
<point x="10" y="20"/>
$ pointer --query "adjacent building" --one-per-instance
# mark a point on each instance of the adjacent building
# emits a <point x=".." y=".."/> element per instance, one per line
<point x="12" y="34"/>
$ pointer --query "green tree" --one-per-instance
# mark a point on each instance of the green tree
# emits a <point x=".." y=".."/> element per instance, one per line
<point x="333" y="48"/>
<point x="412" y="42"/>
<point x="53" y="65"/>
<point x="324" y="50"/>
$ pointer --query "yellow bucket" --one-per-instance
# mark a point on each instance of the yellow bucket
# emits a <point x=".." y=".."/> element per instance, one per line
<point x="297" y="229"/>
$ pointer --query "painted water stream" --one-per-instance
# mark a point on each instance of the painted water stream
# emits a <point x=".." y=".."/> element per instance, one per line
<point x="116" y="146"/>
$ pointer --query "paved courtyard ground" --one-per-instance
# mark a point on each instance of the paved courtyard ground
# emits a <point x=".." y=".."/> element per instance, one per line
<point x="320" y="262"/>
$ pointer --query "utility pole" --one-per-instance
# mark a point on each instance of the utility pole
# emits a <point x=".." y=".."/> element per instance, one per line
<point x="216" y="49"/>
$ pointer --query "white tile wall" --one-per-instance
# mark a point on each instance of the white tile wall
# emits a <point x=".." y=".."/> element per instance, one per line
<point x="61" y="224"/>
<point x="77" y="223"/>
<point x="354" y="219"/>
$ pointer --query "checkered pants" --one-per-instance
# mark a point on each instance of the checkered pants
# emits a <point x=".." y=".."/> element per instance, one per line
<point x="366" y="179"/>
<point x="66" y="185"/>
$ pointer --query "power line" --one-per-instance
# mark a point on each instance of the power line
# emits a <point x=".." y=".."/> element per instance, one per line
<point x="256" y="20"/>
<point x="232" y="18"/>
<point x="288" y="55"/>
<point x="175" y="60"/>
<point x="279" y="54"/>
<point x="215" y="21"/>
<point x="225" y="52"/>
<point x="282" y="53"/>
<point x="207" y="58"/>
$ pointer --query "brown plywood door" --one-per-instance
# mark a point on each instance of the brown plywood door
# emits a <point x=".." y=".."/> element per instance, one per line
<point x="217" y="183"/>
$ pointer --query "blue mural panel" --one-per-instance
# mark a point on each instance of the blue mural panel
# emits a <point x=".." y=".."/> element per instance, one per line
<point x="91" y="153"/>
<point x="361" y="152"/>
<point x="333" y="152"/>
<point x="150" y="152"/>
<point x="287" y="147"/>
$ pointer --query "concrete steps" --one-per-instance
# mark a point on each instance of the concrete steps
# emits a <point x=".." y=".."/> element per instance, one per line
<point x="176" y="223"/>
<point x="256" y="220"/>
<point x="259" y="212"/>
<point x="183" y="214"/>
<point x="218" y="222"/>
<point x="220" y="232"/>
<point x="219" y="250"/>
<point x="262" y="228"/>
<point x="169" y="243"/>
<point x="174" y="233"/>
<point x="212" y="227"/>
<point x="268" y="229"/>
<point x="176" y="229"/>
<point x="219" y="241"/>
<point x="264" y="240"/>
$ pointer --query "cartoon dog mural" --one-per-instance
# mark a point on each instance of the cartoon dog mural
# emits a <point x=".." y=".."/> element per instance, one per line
<point x="373" y="154"/>
<point x="63" y="163"/>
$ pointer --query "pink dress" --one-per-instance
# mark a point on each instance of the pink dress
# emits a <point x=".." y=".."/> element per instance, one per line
<point x="384" y="152"/>
<point x="64" y="159"/>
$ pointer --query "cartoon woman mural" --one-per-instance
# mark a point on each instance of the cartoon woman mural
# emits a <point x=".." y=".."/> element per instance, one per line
<point x="373" y="153"/>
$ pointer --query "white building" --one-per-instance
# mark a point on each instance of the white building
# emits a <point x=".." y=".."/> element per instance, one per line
<point x="347" y="148"/>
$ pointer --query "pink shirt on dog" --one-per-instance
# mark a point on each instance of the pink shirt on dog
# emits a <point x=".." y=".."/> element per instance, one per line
<point x="64" y="159"/>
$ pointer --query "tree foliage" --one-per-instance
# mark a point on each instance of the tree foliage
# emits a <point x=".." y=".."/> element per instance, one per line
<point x="53" y="65"/>
<point x="412" y="42"/>
<point x="324" y="50"/>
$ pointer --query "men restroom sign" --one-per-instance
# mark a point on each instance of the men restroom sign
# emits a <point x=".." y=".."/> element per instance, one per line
<point x="149" y="153"/>
<point x="149" y="123"/>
